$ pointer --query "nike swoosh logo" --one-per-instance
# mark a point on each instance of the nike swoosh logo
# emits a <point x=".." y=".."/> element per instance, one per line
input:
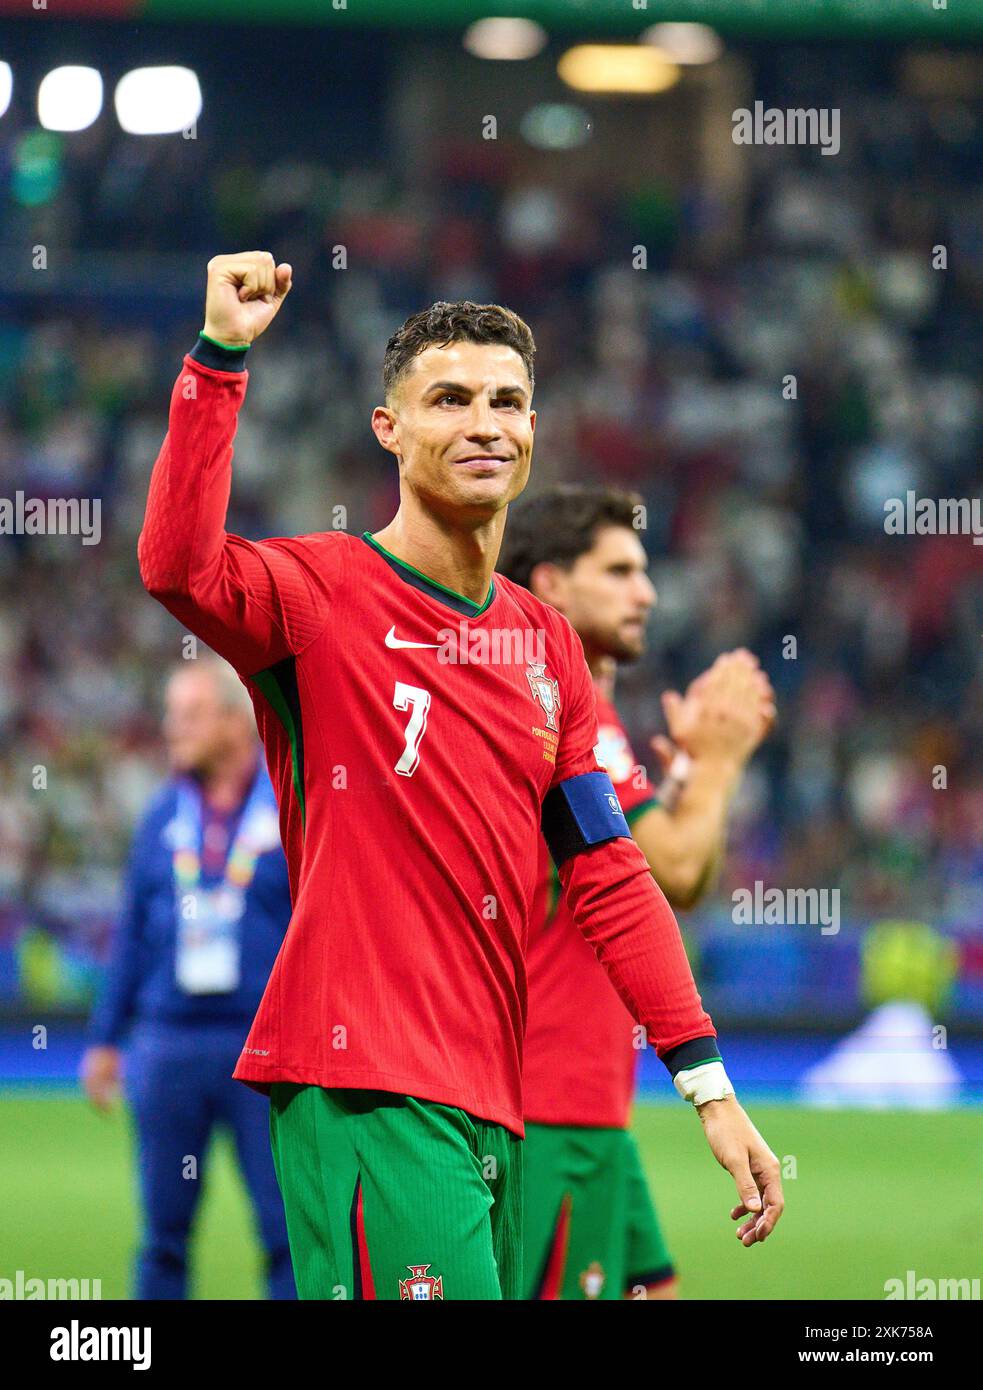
<point x="396" y="642"/>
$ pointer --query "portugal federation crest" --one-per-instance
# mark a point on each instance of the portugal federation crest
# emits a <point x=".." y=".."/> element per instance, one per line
<point x="420" y="1287"/>
<point x="544" y="690"/>
<point x="592" y="1280"/>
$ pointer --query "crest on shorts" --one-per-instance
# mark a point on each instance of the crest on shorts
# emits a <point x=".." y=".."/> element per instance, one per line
<point x="544" y="690"/>
<point x="592" y="1280"/>
<point x="420" y="1287"/>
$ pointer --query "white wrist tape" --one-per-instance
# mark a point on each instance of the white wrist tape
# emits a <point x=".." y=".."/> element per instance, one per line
<point x="706" y="1082"/>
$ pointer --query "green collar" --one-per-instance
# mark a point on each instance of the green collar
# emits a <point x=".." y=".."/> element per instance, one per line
<point x="426" y="585"/>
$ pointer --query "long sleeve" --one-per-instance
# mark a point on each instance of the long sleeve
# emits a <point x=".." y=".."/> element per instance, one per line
<point x="620" y="909"/>
<point x="255" y="603"/>
<point x="623" y="914"/>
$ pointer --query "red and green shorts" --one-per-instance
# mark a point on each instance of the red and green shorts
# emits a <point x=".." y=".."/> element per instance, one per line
<point x="389" y="1197"/>
<point x="591" y="1230"/>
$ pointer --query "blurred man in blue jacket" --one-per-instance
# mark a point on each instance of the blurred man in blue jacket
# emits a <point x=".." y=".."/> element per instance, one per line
<point x="207" y="903"/>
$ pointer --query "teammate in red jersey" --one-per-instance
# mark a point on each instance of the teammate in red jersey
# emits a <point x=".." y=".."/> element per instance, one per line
<point x="591" y="1230"/>
<point x="421" y="721"/>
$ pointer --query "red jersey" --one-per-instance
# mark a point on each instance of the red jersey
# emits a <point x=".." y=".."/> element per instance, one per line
<point x="410" y="766"/>
<point x="581" y="1044"/>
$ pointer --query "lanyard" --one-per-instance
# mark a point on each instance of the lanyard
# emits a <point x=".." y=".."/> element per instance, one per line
<point x="252" y="839"/>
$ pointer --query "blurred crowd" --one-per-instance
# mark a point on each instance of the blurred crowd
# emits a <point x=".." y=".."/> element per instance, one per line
<point x="766" y="398"/>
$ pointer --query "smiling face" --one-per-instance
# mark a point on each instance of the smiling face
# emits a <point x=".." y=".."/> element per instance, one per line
<point x="460" y="422"/>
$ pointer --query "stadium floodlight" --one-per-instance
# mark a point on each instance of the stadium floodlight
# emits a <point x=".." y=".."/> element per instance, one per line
<point x="6" y="86"/>
<point x="69" y="98"/>
<point x="618" y="69"/>
<point x="685" y="43"/>
<point x="556" y="126"/>
<point x="505" y="39"/>
<point x="157" y="101"/>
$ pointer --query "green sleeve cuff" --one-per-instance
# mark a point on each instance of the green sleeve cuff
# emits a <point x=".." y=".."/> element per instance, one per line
<point x="649" y="804"/>
<point x="219" y="356"/>
<point x="229" y="347"/>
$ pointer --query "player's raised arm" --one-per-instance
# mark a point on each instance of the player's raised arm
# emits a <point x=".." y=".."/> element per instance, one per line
<point x="625" y="917"/>
<point x="254" y="603"/>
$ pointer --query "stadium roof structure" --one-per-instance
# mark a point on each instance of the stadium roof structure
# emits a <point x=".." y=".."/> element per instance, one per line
<point x="943" y="20"/>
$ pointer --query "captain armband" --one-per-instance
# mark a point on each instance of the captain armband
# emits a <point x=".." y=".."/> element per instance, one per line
<point x="580" y="812"/>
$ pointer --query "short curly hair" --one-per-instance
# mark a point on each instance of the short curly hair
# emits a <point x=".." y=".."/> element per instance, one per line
<point x="559" y="525"/>
<point x="461" y="322"/>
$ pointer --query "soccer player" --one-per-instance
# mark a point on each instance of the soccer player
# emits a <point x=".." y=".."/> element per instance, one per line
<point x="591" y="1230"/>
<point x="415" y="755"/>
<point x="207" y="904"/>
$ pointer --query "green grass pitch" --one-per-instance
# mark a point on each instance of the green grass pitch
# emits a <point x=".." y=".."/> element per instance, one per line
<point x="873" y="1195"/>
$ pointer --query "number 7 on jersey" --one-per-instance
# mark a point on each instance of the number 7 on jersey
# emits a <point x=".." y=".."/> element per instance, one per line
<point x="411" y="697"/>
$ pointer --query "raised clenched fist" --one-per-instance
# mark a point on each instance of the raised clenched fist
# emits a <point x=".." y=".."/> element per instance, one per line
<point x="243" y="295"/>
